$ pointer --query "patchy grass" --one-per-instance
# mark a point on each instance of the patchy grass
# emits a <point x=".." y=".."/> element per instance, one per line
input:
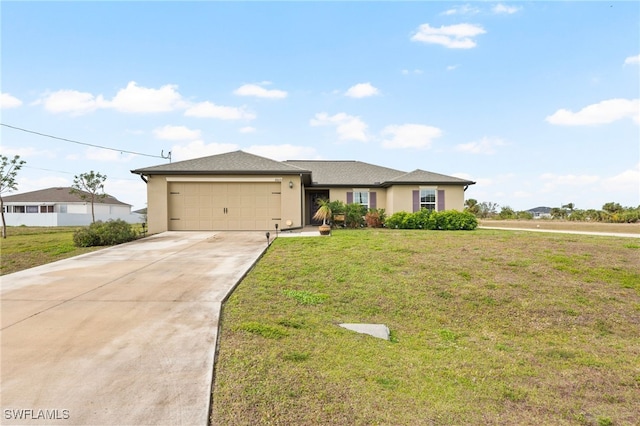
<point x="29" y="246"/>
<point x="489" y="327"/>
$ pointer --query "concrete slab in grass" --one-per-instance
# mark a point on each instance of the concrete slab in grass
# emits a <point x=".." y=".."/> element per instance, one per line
<point x="380" y="331"/>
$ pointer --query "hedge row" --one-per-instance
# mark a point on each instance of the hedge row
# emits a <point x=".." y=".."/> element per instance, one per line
<point x="104" y="234"/>
<point x="449" y="220"/>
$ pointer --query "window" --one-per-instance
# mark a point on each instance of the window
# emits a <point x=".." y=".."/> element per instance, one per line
<point x="18" y="209"/>
<point x="428" y="199"/>
<point x="32" y="209"/>
<point x="46" y="209"/>
<point x="361" y="197"/>
<point x="63" y="208"/>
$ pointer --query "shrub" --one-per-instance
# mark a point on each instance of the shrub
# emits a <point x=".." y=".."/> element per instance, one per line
<point x="104" y="234"/>
<point x="375" y="218"/>
<point x="453" y="220"/>
<point x="85" y="237"/>
<point x="425" y="219"/>
<point x="354" y="215"/>
<point x="396" y="220"/>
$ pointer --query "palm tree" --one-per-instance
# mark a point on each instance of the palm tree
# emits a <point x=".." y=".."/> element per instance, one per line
<point x="324" y="213"/>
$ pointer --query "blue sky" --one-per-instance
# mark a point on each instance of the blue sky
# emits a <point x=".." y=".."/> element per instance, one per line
<point x="538" y="102"/>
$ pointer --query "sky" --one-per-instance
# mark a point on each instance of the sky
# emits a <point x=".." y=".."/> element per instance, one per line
<point x="536" y="102"/>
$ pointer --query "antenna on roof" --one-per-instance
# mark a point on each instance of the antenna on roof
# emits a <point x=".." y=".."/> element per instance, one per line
<point x="168" y="157"/>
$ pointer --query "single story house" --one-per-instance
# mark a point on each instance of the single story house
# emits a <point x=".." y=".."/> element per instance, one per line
<point x="60" y="207"/>
<point x="540" y="212"/>
<point x="242" y="191"/>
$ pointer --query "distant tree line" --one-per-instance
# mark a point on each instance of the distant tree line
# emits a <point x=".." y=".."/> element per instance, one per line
<point x="611" y="212"/>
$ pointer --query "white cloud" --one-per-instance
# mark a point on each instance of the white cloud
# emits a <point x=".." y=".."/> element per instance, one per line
<point x="604" y="112"/>
<point x="211" y="110"/>
<point x="452" y="67"/>
<point x="284" y="152"/>
<point x="137" y="99"/>
<point x="260" y="92"/>
<point x="461" y="10"/>
<point x="26" y="152"/>
<point x="415" y="71"/>
<point x="72" y="102"/>
<point x="483" y="146"/>
<point x="134" y="193"/>
<point x="458" y="36"/>
<point x="553" y="181"/>
<point x="50" y="180"/>
<point x="627" y="181"/>
<point x="247" y="129"/>
<point x="134" y="98"/>
<point x="409" y="136"/>
<point x="361" y="90"/>
<point x="7" y="101"/>
<point x="632" y="60"/>
<point x="176" y="133"/>
<point x="107" y="155"/>
<point x="501" y="8"/>
<point x="198" y="148"/>
<point x="347" y="126"/>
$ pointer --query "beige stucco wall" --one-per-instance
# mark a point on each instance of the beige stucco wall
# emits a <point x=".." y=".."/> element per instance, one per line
<point x="340" y="194"/>
<point x="453" y="197"/>
<point x="400" y="197"/>
<point x="157" y="198"/>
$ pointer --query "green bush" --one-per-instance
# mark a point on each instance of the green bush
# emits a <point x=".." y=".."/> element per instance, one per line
<point x="107" y="233"/>
<point x="85" y="237"/>
<point x="354" y="215"/>
<point x="448" y="220"/>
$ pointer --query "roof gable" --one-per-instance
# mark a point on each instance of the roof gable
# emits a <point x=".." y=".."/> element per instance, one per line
<point x="423" y="176"/>
<point x="237" y="162"/>
<point x="57" y="195"/>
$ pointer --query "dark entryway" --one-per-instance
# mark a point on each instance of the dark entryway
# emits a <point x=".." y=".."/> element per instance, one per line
<point x="312" y="198"/>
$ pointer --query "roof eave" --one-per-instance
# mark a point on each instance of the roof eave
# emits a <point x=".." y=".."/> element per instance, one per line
<point x="461" y="183"/>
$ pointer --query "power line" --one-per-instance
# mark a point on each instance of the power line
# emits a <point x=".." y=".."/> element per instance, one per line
<point x="87" y="144"/>
<point x="68" y="173"/>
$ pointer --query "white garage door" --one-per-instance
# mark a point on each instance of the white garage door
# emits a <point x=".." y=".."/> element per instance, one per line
<point x="213" y="206"/>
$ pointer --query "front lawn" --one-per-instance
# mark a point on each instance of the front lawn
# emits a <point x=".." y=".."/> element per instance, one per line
<point x="487" y="327"/>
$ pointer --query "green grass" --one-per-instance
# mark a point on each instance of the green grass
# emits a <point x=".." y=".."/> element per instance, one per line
<point x="488" y="327"/>
<point x="29" y="246"/>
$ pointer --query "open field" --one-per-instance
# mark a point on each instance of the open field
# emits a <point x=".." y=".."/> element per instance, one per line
<point x="565" y="225"/>
<point x="29" y="246"/>
<point x="488" y="327"/>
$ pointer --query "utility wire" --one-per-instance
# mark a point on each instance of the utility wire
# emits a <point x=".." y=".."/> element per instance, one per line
<point x="69" y="173"/>
<point x="83" y="143"/>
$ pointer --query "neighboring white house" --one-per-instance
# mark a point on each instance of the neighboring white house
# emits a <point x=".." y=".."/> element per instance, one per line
<point x="59" y="207"/>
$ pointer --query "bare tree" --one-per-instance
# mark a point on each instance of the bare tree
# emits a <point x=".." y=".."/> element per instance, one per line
<point x="89" y="187"/>
<point x="8" y="172"/>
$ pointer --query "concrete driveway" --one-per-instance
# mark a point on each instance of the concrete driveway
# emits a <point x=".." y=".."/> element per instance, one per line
<point x="125" y="335"/>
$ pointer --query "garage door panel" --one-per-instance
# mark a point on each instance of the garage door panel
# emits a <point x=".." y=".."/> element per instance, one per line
<point x="223" y="205"/>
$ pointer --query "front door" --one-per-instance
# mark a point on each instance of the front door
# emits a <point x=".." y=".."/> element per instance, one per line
<point x="312" y="203"/>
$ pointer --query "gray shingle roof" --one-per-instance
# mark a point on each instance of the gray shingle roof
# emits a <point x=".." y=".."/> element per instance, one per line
<point x="237" y="162"/>
<point x="351" y="173"/>
<point x="322" y="173"/>
<point x="422" y="176"/>
<point x="57" y="195"/>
